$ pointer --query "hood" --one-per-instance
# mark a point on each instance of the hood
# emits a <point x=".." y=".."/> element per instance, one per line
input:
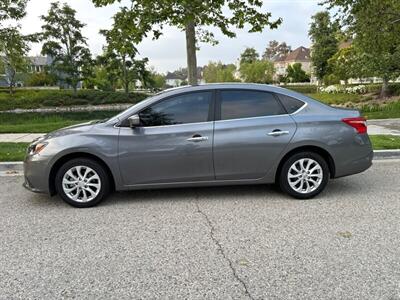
<point x="82" y="127"/>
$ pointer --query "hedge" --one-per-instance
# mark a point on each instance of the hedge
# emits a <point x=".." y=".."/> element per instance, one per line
<point x="28" y="98"/>
<point x="304" y="89"/>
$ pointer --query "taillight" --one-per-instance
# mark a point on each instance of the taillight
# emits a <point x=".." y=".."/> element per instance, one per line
<point x="359" y="124"/>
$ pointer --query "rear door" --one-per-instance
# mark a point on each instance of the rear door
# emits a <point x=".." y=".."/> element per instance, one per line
<point x="251" y="130"/>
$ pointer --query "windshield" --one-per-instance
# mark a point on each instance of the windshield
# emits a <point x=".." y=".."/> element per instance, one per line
<point x="143" y="102"/>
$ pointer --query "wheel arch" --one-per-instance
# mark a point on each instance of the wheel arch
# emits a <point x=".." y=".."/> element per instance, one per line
<point x="316" y="149"/>
<point x="63" y="159"/>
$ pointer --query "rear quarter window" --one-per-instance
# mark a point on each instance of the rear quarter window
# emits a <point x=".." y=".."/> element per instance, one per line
<point x="290" y="104"/>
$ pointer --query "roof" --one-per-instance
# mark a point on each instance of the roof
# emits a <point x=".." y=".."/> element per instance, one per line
<point x="278" y="57"/>
<point x="211" y="86"/>
<point x="299" y="54"/>
<point x="39" y="60"/>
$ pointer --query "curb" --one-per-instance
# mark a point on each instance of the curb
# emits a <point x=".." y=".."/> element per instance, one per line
<point x="17" y="166"/>
<point x="11" y="166"/>
<point x="386" y="154"/>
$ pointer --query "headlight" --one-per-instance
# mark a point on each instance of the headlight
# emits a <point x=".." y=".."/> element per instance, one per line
<point x="36" y="148"/>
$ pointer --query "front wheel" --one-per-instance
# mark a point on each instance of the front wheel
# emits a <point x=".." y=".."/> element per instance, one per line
<point x="82" y="182"/>
<point x="304" y="175"/>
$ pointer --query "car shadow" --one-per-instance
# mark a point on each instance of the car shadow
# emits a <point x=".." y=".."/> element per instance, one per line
<point x="336" y="188"/>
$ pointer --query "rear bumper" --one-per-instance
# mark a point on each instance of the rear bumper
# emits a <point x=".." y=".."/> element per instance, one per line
<point x="356" y="166"/>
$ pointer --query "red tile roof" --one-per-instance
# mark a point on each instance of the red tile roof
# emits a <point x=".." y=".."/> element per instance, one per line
<point x="299" y="54"/>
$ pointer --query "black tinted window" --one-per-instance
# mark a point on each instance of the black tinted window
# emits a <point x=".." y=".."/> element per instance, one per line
<point x="291" y="104"/>
<point x="188" y="108"/>
<point x="247" y="104"/>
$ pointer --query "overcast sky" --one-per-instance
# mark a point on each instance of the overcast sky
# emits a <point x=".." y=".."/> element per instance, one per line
<point x="168" y="53"/>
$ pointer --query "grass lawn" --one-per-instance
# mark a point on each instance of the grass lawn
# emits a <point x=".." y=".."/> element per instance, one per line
<point x="374" y="111"/>
<point x="12" y="151"/>
<point x="16" y="151"/>
<point x="46" y="122"/>
<point x="340" y="98"/>
<point x="381" y="142"/>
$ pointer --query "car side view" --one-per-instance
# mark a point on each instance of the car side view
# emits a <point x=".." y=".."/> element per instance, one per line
<point x="207" y="135"/>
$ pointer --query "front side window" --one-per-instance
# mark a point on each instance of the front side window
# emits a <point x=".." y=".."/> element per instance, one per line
<point x="183" y="109"/>
<point x="236" y="104"/>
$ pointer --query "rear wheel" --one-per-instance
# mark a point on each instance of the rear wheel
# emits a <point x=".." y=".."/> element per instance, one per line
<point x="304" y="175"/>
<point x="82" y="182"/>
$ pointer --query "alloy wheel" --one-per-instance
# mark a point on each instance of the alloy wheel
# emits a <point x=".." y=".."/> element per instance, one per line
<point x="305" y="175"/>
<point x="81" y="184"/>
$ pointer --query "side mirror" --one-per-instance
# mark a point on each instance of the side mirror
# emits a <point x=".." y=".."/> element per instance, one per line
<point x="134" y="121"/>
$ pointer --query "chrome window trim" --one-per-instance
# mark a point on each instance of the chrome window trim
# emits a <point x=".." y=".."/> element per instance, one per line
<point x="184" y="124"/>
<point x="250" y="118"/>
<point x="305" y="104"/>
<point x="300" y="109"/>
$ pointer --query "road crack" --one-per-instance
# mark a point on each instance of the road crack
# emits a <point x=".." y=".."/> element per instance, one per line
<point x="222" y="251"/>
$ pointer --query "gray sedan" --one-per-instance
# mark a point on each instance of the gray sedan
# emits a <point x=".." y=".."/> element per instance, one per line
<point x="208" y="135"/>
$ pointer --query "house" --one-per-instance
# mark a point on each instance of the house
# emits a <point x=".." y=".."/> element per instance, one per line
<point x="179" y="77"/>
<point x="300" y="55"/>
<point x="36" y="64"/>
<point x="173" y="79"/>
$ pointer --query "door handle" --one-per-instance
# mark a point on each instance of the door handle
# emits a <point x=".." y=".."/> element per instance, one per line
<point x="197" y="139"/>
<point x="278" y="132"/>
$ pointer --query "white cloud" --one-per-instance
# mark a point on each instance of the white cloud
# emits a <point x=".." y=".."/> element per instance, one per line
<point x="168" y="53"/>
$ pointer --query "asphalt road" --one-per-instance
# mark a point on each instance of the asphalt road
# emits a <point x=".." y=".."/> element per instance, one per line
<point x="206" y="243"/>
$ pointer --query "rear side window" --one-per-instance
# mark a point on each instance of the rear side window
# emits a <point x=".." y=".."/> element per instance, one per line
<point x="236" y="104"/>
<point x="291" y="104"/>
<point x="183" y="109"/>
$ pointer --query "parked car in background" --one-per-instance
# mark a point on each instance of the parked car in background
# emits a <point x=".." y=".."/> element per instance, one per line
<point x="207" y="135"/>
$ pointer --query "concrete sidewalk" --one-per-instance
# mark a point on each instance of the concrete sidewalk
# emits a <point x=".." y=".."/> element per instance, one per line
<point x="19" y="137"/>
<point x="384" y="126"/>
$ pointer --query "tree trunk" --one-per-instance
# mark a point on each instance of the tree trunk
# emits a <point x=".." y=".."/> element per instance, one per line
<point x="191" y="53"/>
<point x="385" y="87"/>
<point x="125" y="74"/>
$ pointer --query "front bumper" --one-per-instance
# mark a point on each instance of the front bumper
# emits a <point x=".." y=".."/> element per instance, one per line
<point x="36" y="175"/>
<point x="27" y="185"/>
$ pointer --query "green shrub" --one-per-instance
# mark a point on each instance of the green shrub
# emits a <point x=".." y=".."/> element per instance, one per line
<point x="54" y="98"/>
<point x="304" y="89"/>
<point x="394" y="89"/>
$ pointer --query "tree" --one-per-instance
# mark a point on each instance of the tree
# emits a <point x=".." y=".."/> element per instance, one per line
<point x="217" y="72"/>
<point x="121" y="52"/>
<point x="248" y="56"/>
<point x="323" y="33"/>
<point x="66" y="45"/>
<point x="155" y="80"/>
<point x="148" y="16"/>
<point x="101" y="78"/>
<point x="296" y="74"/>
<point x="13" y="49"/>
<point x="276" y="49"/>
<point x="345" y="64"/>
<point x="13" y="45"/>
<point x="375" y="26"/>
<point x="260" y="71"/>
<point x="41" y="79"/>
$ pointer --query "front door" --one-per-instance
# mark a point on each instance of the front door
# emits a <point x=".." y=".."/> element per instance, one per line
<point x="173" y="143"/>
<point x="252" y="130"/>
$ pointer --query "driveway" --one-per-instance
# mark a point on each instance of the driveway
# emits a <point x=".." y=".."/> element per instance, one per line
<point x="246" y="242"/>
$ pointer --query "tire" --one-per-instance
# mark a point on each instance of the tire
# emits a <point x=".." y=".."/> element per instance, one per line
<point x="73" y="188"/>
<point x="300" y="183"/>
